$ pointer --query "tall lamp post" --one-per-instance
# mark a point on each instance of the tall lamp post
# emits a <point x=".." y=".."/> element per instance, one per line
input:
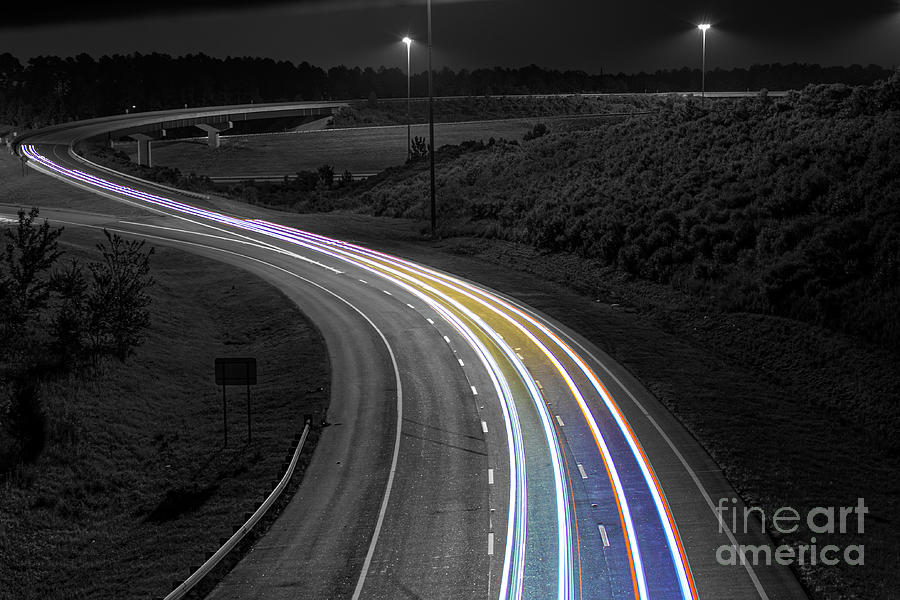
<point x="408" y="41"/>
<point x="431" y="127"/>
<point x="703" y="27"/>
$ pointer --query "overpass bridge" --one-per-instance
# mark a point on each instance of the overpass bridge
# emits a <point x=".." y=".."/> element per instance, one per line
<point x="150" y="126"/>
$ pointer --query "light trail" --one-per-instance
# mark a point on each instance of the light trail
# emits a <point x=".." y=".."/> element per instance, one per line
<point x="679" y="559"/>
<point x="420" y="281"/>
<point x="566" y="585"/>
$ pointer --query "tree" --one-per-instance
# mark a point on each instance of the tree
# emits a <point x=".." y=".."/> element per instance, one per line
<point x="325" y="177"/>
<point x="70" y="319"/>
<point x="537" y="131"/>
<point x="30" y="252"/>
<point x="418" y="149"/>
<point x="118" y="299"/>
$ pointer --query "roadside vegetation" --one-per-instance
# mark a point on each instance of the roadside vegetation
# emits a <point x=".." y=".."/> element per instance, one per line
<point x="788" y="207"/>
<point x="59" y="322"/>
<point x="113" y="478"/>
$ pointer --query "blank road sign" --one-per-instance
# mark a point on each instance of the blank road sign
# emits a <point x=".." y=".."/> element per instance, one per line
<point x="235" y="371"/>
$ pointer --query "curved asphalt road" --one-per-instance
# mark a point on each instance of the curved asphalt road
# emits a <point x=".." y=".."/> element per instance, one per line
<point x="527" y="463"/>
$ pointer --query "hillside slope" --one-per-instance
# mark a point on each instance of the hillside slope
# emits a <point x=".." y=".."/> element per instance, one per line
<point x="788" y="207"/>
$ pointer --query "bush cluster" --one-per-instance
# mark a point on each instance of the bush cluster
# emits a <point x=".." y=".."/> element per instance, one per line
<point x="307" y="191"/>
<point x="785" y="206"/>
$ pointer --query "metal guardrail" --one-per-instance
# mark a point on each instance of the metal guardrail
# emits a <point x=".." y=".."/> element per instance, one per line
<point x="213" y="561"/>
<point x="276" y="178"/>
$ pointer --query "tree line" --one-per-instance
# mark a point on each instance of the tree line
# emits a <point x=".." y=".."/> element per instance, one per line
<point x="49" y="89"/>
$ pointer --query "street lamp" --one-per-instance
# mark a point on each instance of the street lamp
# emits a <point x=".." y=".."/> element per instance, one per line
<point x="703" y="27"/>
<point x="431" y="127"/>
<point x="408" y="41"/>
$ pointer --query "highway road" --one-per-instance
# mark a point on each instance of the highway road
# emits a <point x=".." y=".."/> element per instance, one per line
<point x="477" y="449"/>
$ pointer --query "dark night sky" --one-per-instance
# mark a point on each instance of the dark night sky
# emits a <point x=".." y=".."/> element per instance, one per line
<point x="626" y="35"/>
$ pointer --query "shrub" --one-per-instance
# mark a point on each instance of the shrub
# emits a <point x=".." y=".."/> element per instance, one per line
<point x="537" y="131"/>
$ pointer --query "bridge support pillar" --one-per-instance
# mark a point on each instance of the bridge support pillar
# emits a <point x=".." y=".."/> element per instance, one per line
<point x="213" y="131"/>
<point x="143" y="156"/>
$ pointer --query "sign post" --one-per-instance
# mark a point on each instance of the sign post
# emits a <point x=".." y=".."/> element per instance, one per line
<point x="235" y="371"/>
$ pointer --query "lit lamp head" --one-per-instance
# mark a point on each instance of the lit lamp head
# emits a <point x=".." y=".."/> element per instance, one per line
<point x="407" y="40"/>
<point x="703" y="27"/>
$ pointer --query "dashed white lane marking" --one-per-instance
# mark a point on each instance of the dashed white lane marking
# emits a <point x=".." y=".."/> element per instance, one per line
<point x="538" y="382"/>
<point x="581" y="470"/>
<point x="520" y="356"/>
<point x="387" y="292"/>
<point x="490" y="477"/>
<point x="364" y="281"/>
<point x="603" y="536"/>
<point x="446" y="339"/>
<point x="490" y="544"/>
<point x="560" y="421"/>
<point x="430" y="321"/>
<point x="410" y="305"/>
<point x="474" y="391"/>
<point x="461" y="363"/>
<point x="484" y="426"/>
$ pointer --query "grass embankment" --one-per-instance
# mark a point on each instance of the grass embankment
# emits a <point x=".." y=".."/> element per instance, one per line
<point x="788" y="207"/>
<point x="134" y="485"/>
